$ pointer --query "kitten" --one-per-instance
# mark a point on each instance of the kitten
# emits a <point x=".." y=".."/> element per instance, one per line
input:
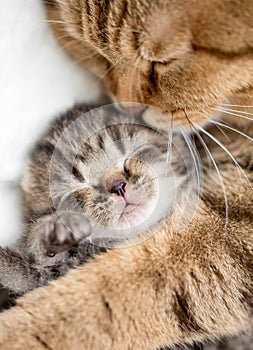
<point x="93" y="178"/>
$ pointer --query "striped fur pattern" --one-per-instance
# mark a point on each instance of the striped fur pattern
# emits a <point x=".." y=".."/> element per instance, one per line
<point x="80" y="158"/>
<point x="166" y="290"/>
<point x="189" y="59"/>
<point x="178" y="56"/>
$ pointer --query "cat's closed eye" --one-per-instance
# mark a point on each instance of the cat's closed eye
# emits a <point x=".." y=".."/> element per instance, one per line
<point x="175" y="55"/>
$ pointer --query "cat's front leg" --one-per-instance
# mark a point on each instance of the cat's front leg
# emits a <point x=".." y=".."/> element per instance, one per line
<point x="146" y="296"/>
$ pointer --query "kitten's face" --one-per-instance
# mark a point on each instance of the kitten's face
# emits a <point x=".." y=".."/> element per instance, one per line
<point x="121" y="178"/>
<point x="185" y="57"/>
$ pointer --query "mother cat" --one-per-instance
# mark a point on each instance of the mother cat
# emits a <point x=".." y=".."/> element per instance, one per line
<point x="187" y="58"/>
<point x="181" y="56"/>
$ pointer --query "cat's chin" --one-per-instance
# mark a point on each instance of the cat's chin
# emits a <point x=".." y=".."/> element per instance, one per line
<point x="164" y="120"/>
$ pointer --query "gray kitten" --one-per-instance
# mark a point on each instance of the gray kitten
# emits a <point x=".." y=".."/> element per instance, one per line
<point x="91" y="174"/>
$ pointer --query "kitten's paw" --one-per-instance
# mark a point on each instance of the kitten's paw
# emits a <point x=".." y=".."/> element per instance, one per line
<point x="67" y="230"/>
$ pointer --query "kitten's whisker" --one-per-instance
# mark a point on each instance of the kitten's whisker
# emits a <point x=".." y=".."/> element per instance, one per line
<point x="239" y="168"/>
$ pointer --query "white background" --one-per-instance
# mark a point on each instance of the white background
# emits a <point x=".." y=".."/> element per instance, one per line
<point x="37" y="81"/>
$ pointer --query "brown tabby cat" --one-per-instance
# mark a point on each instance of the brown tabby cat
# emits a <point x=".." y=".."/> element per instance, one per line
<point x="181" y="56"/>
<point x="188" y="58"/>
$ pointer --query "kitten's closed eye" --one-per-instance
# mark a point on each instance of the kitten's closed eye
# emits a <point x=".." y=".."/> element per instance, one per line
<point x="77" y="174"/>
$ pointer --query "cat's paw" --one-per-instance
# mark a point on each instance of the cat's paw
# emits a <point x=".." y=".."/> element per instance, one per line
<point x="66" y="230"/>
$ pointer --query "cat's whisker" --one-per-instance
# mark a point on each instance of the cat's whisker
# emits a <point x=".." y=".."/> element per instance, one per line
<point x="193" y="154"/>
<point x="68" y="44"/>
<point x="101" y="77"/>
<point x="218" y="127"/>
<point x="84" y="41"/>
<point x="233" y="114"/>
<point x="237" y="111"/>
<point x="62" y="36"/>
<point x="64" y="4"/>
<point x="219" y="176"/>
<point x="170" y="136"/>
<point x="230" y="105"/>
<point x="223" y="125"/>
<point x="209" y="154"/>
<point x="50" y="21"/>
<point x="59" y="2"/>
<point x="86" y="58"/>
<point x="219" y="143"/>
<point x="192" y="151"/>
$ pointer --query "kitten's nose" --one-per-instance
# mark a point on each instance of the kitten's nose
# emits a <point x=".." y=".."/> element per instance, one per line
<point x="119" y="188"/>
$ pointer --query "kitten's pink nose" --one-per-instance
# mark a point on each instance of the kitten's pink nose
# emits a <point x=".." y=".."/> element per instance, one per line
<point x="119" y="188"/>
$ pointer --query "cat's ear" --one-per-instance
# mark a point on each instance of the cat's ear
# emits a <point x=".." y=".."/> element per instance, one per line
<point x="15" y="271"/>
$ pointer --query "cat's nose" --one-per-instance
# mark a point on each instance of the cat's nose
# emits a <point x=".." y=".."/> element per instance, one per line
<point x="133" y="109"/>
<point x="119" y="188"/>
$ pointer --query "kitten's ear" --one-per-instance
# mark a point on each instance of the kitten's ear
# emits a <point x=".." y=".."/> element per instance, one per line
<point x="15" y="271"/>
